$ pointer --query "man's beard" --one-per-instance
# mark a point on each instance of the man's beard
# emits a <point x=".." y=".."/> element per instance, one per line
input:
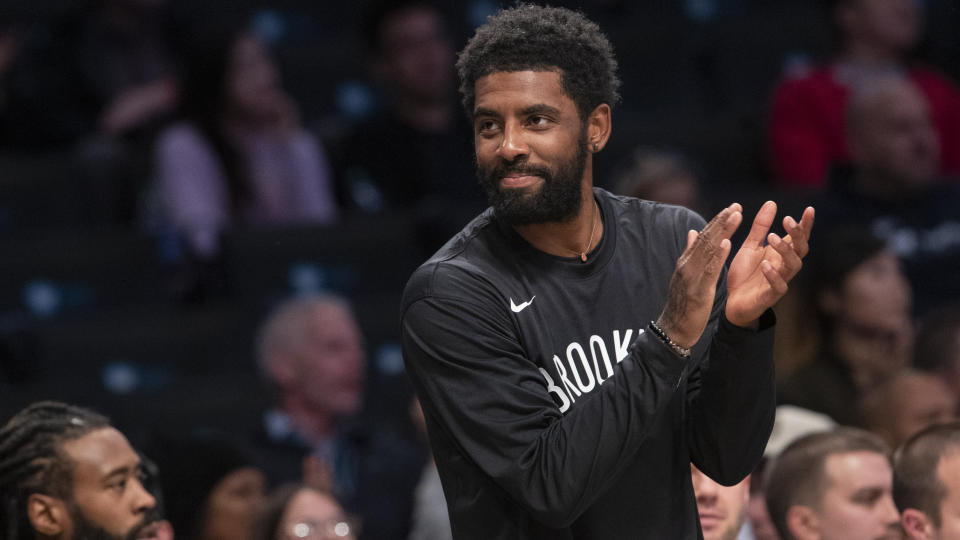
<point x="558" y="199"/>
<point x="84" y="529"/>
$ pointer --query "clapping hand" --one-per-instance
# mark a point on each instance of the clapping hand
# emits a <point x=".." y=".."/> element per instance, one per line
<point x="759" y="273"/>
<point x="757" y="278"/>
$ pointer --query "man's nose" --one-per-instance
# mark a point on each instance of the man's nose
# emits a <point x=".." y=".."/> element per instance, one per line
<point x="513" y="143"/>
<point x="142" y="500"/>
<point x="704" y="488"/>
<point x="890" y="513"/>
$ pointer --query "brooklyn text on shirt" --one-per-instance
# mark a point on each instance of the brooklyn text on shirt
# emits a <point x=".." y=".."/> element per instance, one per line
<point x="584" y="368"/>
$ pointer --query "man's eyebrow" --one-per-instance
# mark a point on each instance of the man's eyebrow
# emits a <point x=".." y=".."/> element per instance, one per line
<point x="483" y="111"/>
<point x="539" y="108"/>
<point x="123" y="470"/>
<point x="868" y="493"/>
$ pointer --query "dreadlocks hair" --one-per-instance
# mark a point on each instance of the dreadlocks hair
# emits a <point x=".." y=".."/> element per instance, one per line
<point x="529" y="37"/>
<point x="32" y="460"/>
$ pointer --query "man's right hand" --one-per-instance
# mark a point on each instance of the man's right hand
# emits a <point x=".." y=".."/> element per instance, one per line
<point x="693" y="284"/>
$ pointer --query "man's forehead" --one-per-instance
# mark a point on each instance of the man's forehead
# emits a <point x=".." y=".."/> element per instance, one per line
<point x="101" y="452"/>
<point x="330" y="318"/>
<point x="948" y="467"/>
<point x="858" y="469"/>
<point x="534" y="85"/>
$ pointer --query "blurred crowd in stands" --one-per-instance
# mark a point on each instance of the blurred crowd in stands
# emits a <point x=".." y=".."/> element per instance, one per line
<point x="208" y="211"/>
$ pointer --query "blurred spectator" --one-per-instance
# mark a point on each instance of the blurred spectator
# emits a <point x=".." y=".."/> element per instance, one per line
<point x="937" y="348"/>
<point x="834" y="485"/>
<point x="106" y="67"/>
<point x="806" y="134"/>
<point x="893" y="189"/>
<point x="722" y="508"/>
<point x="759" y="525"/>
<point x="893" y="146"/>
<point x="790" y="424"/>
<point x="212" y="489"/>
<point x="926" y="483"/>
<point x="905" y="404"/>
<point x="417" y="154"/>
<point x="661" y="176"/>
<point x="863" y="303"/>
<point x="239" y="155"/>
<point x="295" y="511"/>
<point x="312" y="351"/>
<point x="66" y="473"/>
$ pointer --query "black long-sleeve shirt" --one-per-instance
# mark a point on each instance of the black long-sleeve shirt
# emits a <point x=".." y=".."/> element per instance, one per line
<point x="551" y="412"/>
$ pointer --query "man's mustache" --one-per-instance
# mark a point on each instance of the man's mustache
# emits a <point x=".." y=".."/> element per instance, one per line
<point x="149" y="518"/>
<point x="524" y="169"/>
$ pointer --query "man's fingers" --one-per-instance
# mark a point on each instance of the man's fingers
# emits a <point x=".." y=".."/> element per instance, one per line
<point x="806" y="220"/>
<point x="790" y="260"/>
<point x="796" y="236"/>
<point x="716" y="264"/>
<point x="776" y="281"/>
<point x="733" y="223"/>
<point x="761" y="225"/>
<point x="723" y="224"/>
<point x="799" y="233"/>
<point x="707" y="249"/>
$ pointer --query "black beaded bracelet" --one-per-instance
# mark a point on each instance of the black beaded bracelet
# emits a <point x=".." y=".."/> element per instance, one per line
<point x="682" y="351"/>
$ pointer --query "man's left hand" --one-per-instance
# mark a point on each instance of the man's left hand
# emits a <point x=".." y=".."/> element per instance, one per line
<point x="759" y="273"/>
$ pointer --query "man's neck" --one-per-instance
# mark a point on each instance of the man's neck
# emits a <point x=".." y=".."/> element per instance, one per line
<point x="569" y="238"/>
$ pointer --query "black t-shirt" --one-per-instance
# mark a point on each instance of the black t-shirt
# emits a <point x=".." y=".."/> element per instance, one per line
<point x="552" y="413"/>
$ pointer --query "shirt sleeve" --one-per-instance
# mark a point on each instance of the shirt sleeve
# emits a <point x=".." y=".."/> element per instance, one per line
<point x="732" y="401"/>
<point x="474" y="380"/>
<point x="731" y="396"/>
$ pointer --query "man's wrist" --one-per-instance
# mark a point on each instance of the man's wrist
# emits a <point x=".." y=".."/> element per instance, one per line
<point x="657" y="331"/>
<point x="766" y="320"/>
<point x="749" y="325"/>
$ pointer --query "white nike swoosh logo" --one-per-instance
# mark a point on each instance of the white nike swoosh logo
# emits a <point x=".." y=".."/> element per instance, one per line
<point x="521" y="307"/>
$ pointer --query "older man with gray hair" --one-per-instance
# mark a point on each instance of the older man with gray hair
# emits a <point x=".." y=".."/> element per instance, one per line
<point x="311" y="350"/>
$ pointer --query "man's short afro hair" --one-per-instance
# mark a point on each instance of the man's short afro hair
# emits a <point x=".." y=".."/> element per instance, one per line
<point x="536" y="38"/>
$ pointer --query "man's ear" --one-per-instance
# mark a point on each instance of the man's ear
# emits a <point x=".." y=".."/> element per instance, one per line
<point x="803" y="522"/>
<point x="916" y="524"/>
<point x="48" y="515"/>
<point x="599" y="124"/>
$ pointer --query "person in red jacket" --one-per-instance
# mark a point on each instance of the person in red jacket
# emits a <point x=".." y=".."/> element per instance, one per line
<point x="807" y="131"/>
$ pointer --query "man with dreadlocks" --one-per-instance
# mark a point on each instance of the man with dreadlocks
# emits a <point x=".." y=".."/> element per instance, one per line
<point x="555" y="408"/>
<point x="66" y="474"/>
